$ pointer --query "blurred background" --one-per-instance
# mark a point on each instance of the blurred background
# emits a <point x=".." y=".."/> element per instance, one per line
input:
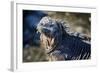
<point x="32" y="50"/>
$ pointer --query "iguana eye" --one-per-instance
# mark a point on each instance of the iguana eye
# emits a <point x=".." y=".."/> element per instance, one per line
<point x="42" y="24"/>
<point x="51" y="25"/>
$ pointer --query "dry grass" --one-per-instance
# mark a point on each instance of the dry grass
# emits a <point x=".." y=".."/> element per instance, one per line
<point x="34" y="54"/>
